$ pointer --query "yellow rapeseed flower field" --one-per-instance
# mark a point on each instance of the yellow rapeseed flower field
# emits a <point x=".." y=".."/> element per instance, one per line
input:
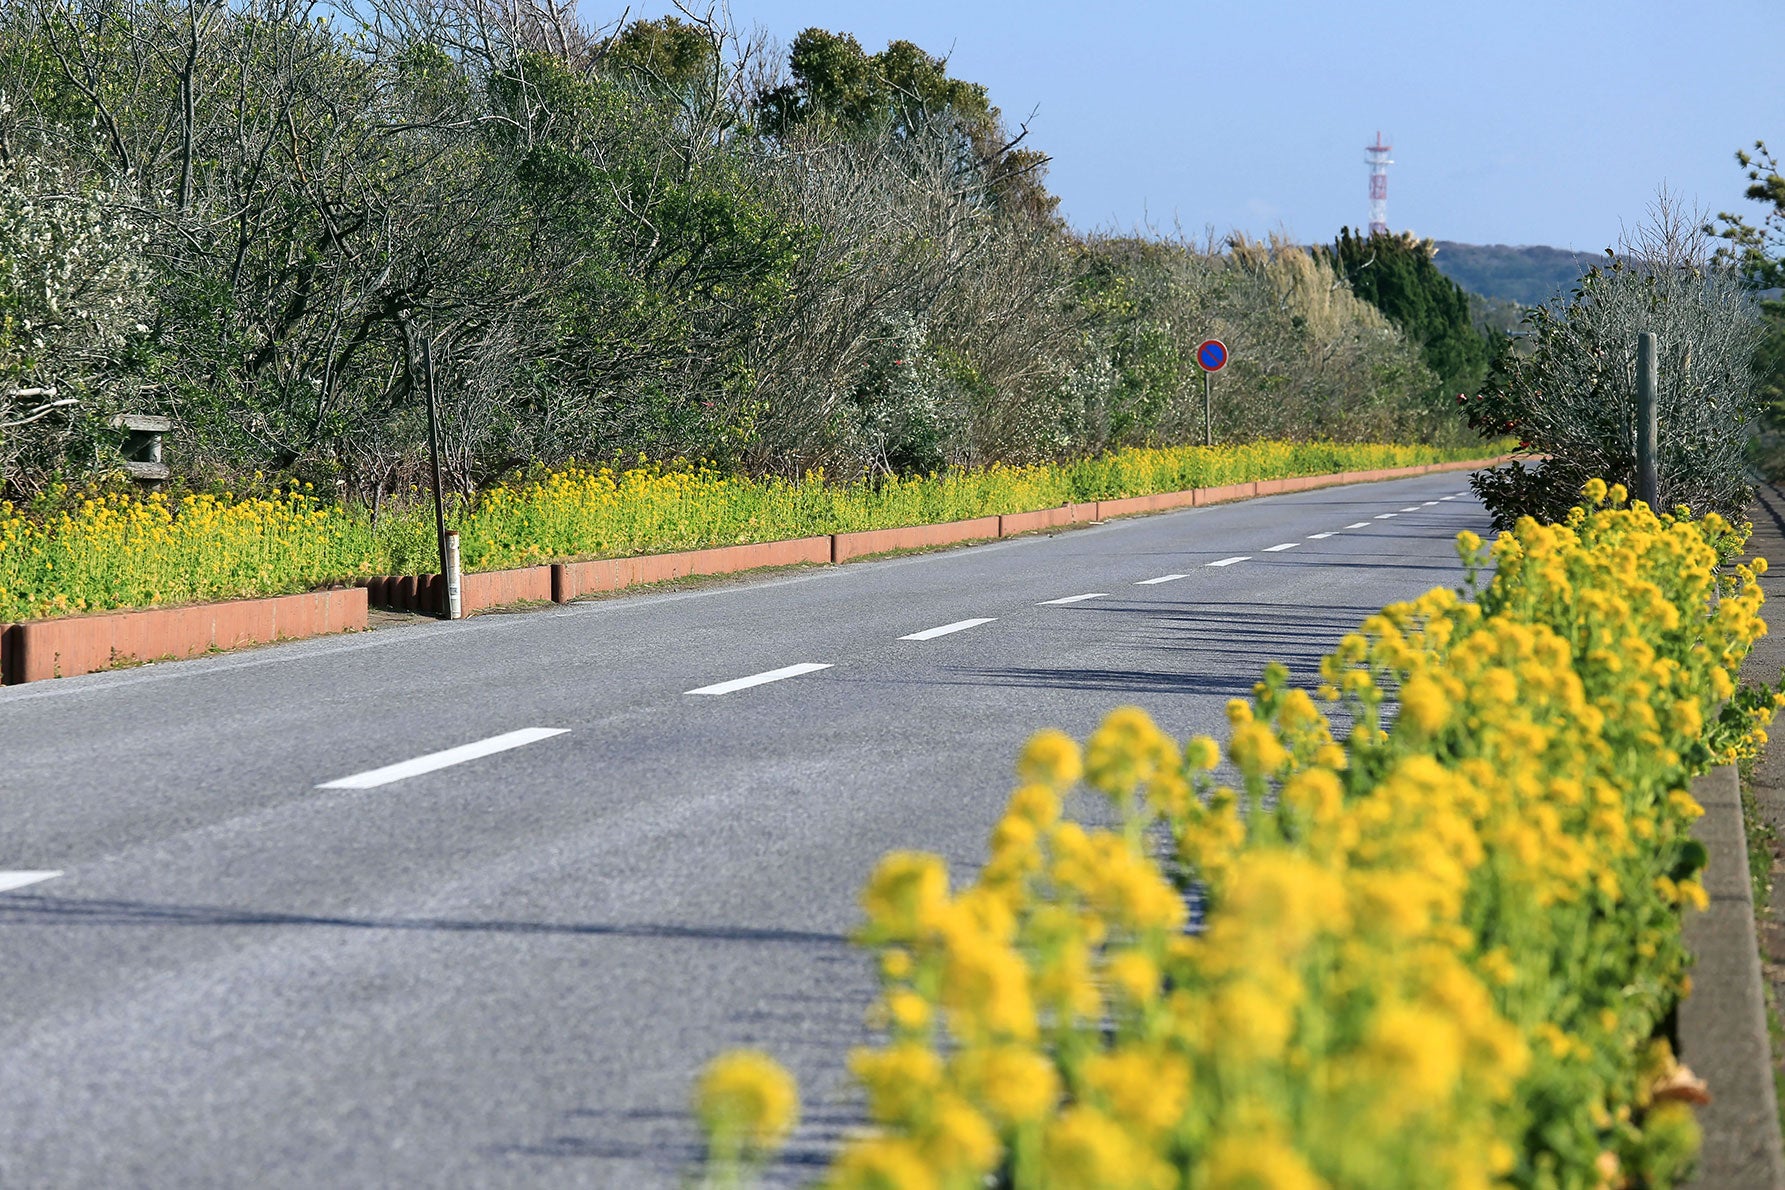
<point x="1437" y="952"/>
<point x="120" y="550"/>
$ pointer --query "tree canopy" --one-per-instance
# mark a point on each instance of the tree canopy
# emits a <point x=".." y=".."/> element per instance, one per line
<point x="652" y="239"/>
<point x="1395" y="274"/>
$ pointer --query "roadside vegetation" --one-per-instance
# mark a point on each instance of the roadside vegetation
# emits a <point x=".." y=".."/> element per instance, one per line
<point x="118" y="550"/>
<point x="1569" y="394"/>
<point x="1756" y="250"/>
<point x="652" y="237"/>
<point x="1442" y="948"/>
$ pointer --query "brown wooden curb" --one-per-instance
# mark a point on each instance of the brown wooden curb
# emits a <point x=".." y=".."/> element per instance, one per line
<point x="41" y="649"/>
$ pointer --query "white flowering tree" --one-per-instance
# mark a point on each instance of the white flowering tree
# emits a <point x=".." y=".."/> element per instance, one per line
<point x="71" y="292"/>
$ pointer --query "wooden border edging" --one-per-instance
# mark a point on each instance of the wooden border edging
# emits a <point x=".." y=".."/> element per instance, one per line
<point x="82" y="644"/>
<point x="1723" y="1035"/>
<point x="74" y="645"/>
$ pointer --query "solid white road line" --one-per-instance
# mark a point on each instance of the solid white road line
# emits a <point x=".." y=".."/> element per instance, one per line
<point x="1231" y="561"/>
<point x="1383" y="516"/>
<point x="957" y="626"/>
<point x="1277" y="549"/>
<point x="773" y="675"/>
<point x="12" y="880"/>
<point x="1318" y="536"/>
<point x="1359" y="525"/>
<point x="1164" y="578"/>
<point x="1072" y="599"/>
<point x="372" y="778"/>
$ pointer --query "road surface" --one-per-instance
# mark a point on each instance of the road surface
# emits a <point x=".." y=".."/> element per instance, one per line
<point x="469" y="904"/>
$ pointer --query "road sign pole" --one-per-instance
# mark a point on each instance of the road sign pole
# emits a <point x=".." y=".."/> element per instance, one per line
<point x="1211" y="357"/>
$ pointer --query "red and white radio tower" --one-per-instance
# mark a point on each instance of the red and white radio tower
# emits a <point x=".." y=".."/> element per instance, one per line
<point x="1378" y="162"/>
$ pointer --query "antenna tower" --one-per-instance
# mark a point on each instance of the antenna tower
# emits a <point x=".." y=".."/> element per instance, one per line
<point x="1378" y="162"/>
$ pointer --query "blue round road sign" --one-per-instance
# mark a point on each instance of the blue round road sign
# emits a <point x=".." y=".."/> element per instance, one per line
<point x="1212" y="355"/>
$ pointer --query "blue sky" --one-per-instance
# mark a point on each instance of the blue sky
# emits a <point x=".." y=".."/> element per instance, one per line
<point x="1514" y="122"/>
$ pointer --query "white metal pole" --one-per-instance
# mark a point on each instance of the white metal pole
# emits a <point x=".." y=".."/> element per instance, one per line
<point x="453" y="606"/>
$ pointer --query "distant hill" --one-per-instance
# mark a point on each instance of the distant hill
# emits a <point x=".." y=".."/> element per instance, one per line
<point x="1529" y="276"/>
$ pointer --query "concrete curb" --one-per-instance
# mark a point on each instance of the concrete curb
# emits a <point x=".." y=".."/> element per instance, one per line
<point x="865" y="542"/>
<point x="99" y="642"/>
<point x="567" y="580"/>
<point x="1723" y="1034"/>
<point x="85" y="644"/>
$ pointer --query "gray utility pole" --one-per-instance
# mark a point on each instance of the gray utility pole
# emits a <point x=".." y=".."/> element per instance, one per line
<point x="1648" y="388"/>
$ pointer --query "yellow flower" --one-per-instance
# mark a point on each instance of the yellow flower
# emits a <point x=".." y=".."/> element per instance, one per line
<point x="1135" y="975"/>
<point x="746" y="1103"/>
<point x="1086" y="1150"/>
<point x="960" y="1140"/>
<point x="1013" y="1085"/>
<point x="881" y="1163"/>
<point x="1256" y="749"/>
<point x="1417" y="1055"/>
<point x="1424" y="706"/>
<point x="1147" y="1089"/>
<point x="1257" y="1163"/>
<point x="901" y="1080"/>
<point x="1050" y="758"/>
<point x="906" y="896"/>
<point x="1284" y="898"/>
<point x="1202" y="753"/>
<point x="985" y="986"/>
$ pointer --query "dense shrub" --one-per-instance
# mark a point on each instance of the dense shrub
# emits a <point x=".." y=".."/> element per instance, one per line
<point x="1572" y="396"/>
<point x="1441" y="951"/>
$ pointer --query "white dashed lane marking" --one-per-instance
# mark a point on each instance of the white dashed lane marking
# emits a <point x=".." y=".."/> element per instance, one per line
<point x="957" y="626"/>
<point x="1415" y="508"/>
<point x="1277" y="549"/>
<point x="1231" y="561"/>
<point x="1072" y="599"/>
<point x="1164" y="578"/>
<point x="1318" y="536"/>
<point x="1383" y="516"/>
<point x="773" y="675"/>
<point x="1359" y="525"/>
<point x="12" y="880"/>
<point x="372" y="778"/>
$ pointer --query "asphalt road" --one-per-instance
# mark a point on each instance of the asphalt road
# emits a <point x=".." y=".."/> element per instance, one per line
<point x="262" y="967"/>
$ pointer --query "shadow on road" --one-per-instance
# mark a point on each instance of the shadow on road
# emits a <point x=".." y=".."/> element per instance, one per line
<point x="26" y="909"/>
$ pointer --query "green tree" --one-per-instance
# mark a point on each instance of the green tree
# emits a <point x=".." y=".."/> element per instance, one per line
<point x="908" y="92"/>
<point x="1395" y="274"/>
<point x="1758" y="250"/>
